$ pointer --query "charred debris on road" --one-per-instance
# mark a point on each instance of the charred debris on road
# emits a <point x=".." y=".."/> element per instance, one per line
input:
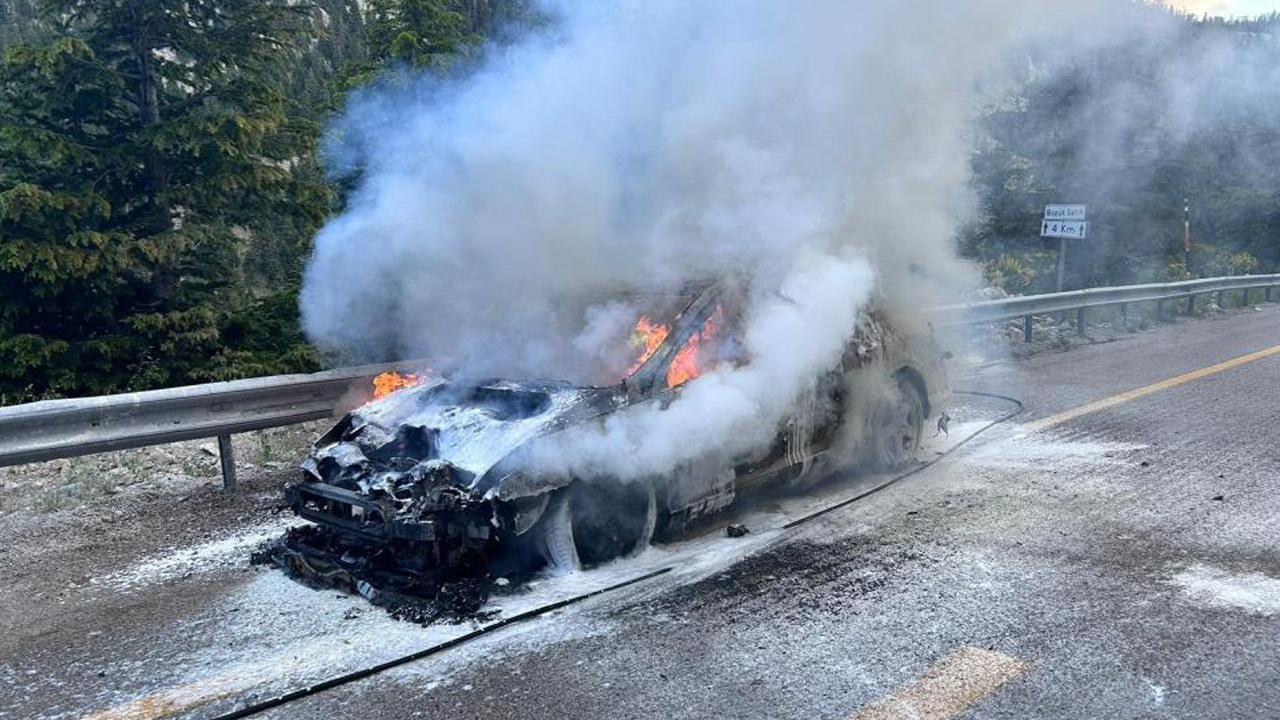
<point x="317" y="559"/>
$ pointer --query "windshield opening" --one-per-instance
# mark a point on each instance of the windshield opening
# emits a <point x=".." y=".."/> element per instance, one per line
<point x="622" y="334"/>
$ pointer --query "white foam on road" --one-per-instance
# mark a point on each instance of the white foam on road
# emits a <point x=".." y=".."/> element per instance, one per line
<point x="272" y="634"/>
<point x="228" y="550"/>
<point x="1023" y="450"/>
<point x="1253" y="593"/>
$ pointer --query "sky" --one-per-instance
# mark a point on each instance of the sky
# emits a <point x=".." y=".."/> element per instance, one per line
<point x="1227" y="8"/>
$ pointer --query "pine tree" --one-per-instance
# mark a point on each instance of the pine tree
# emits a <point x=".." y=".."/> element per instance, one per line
<point x="19" y="22"/>
<point x="419" y="33"/>
<point x="139" y="151"/>
<point x="412" y="34"/>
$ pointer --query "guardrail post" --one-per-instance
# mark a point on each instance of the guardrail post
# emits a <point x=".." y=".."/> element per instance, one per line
<point x="1080" y="322"/>
<point x="1159" y="310"/>
<point x="228" y="459"/>
<point x="1244" y="297"/>
<point x="1027" y="326"/>
<point x="1268" y="294"/>
<point x="1124" y="314"/>
<point x="1220" y="306"/>
<point x="1191" y="304"/>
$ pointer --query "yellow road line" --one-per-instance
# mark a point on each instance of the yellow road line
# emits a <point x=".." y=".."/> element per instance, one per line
<point x="177" y="700"/>
<point x="1132" y="395"/>
<point x="950" y="686"/>
<point x="167" y="703"/>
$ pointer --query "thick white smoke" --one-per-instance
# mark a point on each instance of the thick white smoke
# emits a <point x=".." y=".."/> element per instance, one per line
<point x="818" y="145"/>
<point x="793" y="337"/>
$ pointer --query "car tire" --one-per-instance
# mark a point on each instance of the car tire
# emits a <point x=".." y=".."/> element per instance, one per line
<point x="587" y="525"/>
<point x="897" y="425"/>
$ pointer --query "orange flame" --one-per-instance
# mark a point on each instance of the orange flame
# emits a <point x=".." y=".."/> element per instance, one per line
<point x="689" y="363"/>
<point x="389" y="382"/>
<point x="647" y="338"/>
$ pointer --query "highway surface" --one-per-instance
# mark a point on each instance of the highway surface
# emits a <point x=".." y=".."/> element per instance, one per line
<point x="1111" y="553"/>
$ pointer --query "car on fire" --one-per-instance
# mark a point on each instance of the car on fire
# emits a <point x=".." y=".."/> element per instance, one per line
<point x="426" y="481"/>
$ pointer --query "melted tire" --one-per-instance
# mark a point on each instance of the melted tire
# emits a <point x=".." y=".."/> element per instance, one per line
<point x="591" y="524"/>
<point x="559" y="546"/>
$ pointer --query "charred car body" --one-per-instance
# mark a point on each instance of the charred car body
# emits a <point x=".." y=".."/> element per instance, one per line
<point x="426" y="482"/>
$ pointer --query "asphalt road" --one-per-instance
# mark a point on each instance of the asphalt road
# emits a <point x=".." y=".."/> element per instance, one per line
<point x="1120" y="563"/>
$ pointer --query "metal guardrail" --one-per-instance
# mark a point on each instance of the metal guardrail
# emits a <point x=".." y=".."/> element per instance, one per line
<point x="1029" y="306"/>
<point x="55" y="429"/>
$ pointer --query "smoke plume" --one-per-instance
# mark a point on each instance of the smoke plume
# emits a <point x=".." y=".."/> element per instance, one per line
<point x="816" y="145"/>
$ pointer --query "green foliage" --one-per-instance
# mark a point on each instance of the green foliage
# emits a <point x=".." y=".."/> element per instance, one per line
<point x="19" y="23"/>
<point x="159" y="181"/>
<point x="419" y="33"/>
<point x="1009" y="274"/>
<point x="358" y="43"/>
<point x="142" y="148"/>
<point x="340" y="42"/>
<point x="413" y="34"/>
<point x="1217" y="260"/>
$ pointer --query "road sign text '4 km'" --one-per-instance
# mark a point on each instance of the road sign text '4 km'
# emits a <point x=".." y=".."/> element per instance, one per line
<point x="1065" y="221"/>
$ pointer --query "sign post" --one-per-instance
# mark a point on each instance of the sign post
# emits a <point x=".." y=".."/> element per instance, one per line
<point x="1065" y="222"/>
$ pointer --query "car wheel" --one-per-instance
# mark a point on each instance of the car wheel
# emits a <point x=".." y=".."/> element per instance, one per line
<point x="588" y="524"/>
<point x="896" y="427"/>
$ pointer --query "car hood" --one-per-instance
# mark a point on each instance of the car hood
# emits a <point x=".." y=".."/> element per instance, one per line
<point x="470" y="427"/>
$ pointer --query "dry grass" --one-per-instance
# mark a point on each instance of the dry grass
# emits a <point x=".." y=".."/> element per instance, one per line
<point x="177" y="468"/>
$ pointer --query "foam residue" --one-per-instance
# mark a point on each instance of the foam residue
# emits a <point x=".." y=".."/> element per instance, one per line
<point x="228" y="550"/>
<point x="1037" y="450"/>
<point x="1253" y="593"/>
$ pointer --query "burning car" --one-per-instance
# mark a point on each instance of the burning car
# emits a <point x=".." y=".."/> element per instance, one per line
<point x="427" y="482"/>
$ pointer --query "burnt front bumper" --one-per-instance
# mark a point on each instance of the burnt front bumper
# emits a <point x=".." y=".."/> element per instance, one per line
<point x="448" y="529"/>
<point x="350" y="512"/>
